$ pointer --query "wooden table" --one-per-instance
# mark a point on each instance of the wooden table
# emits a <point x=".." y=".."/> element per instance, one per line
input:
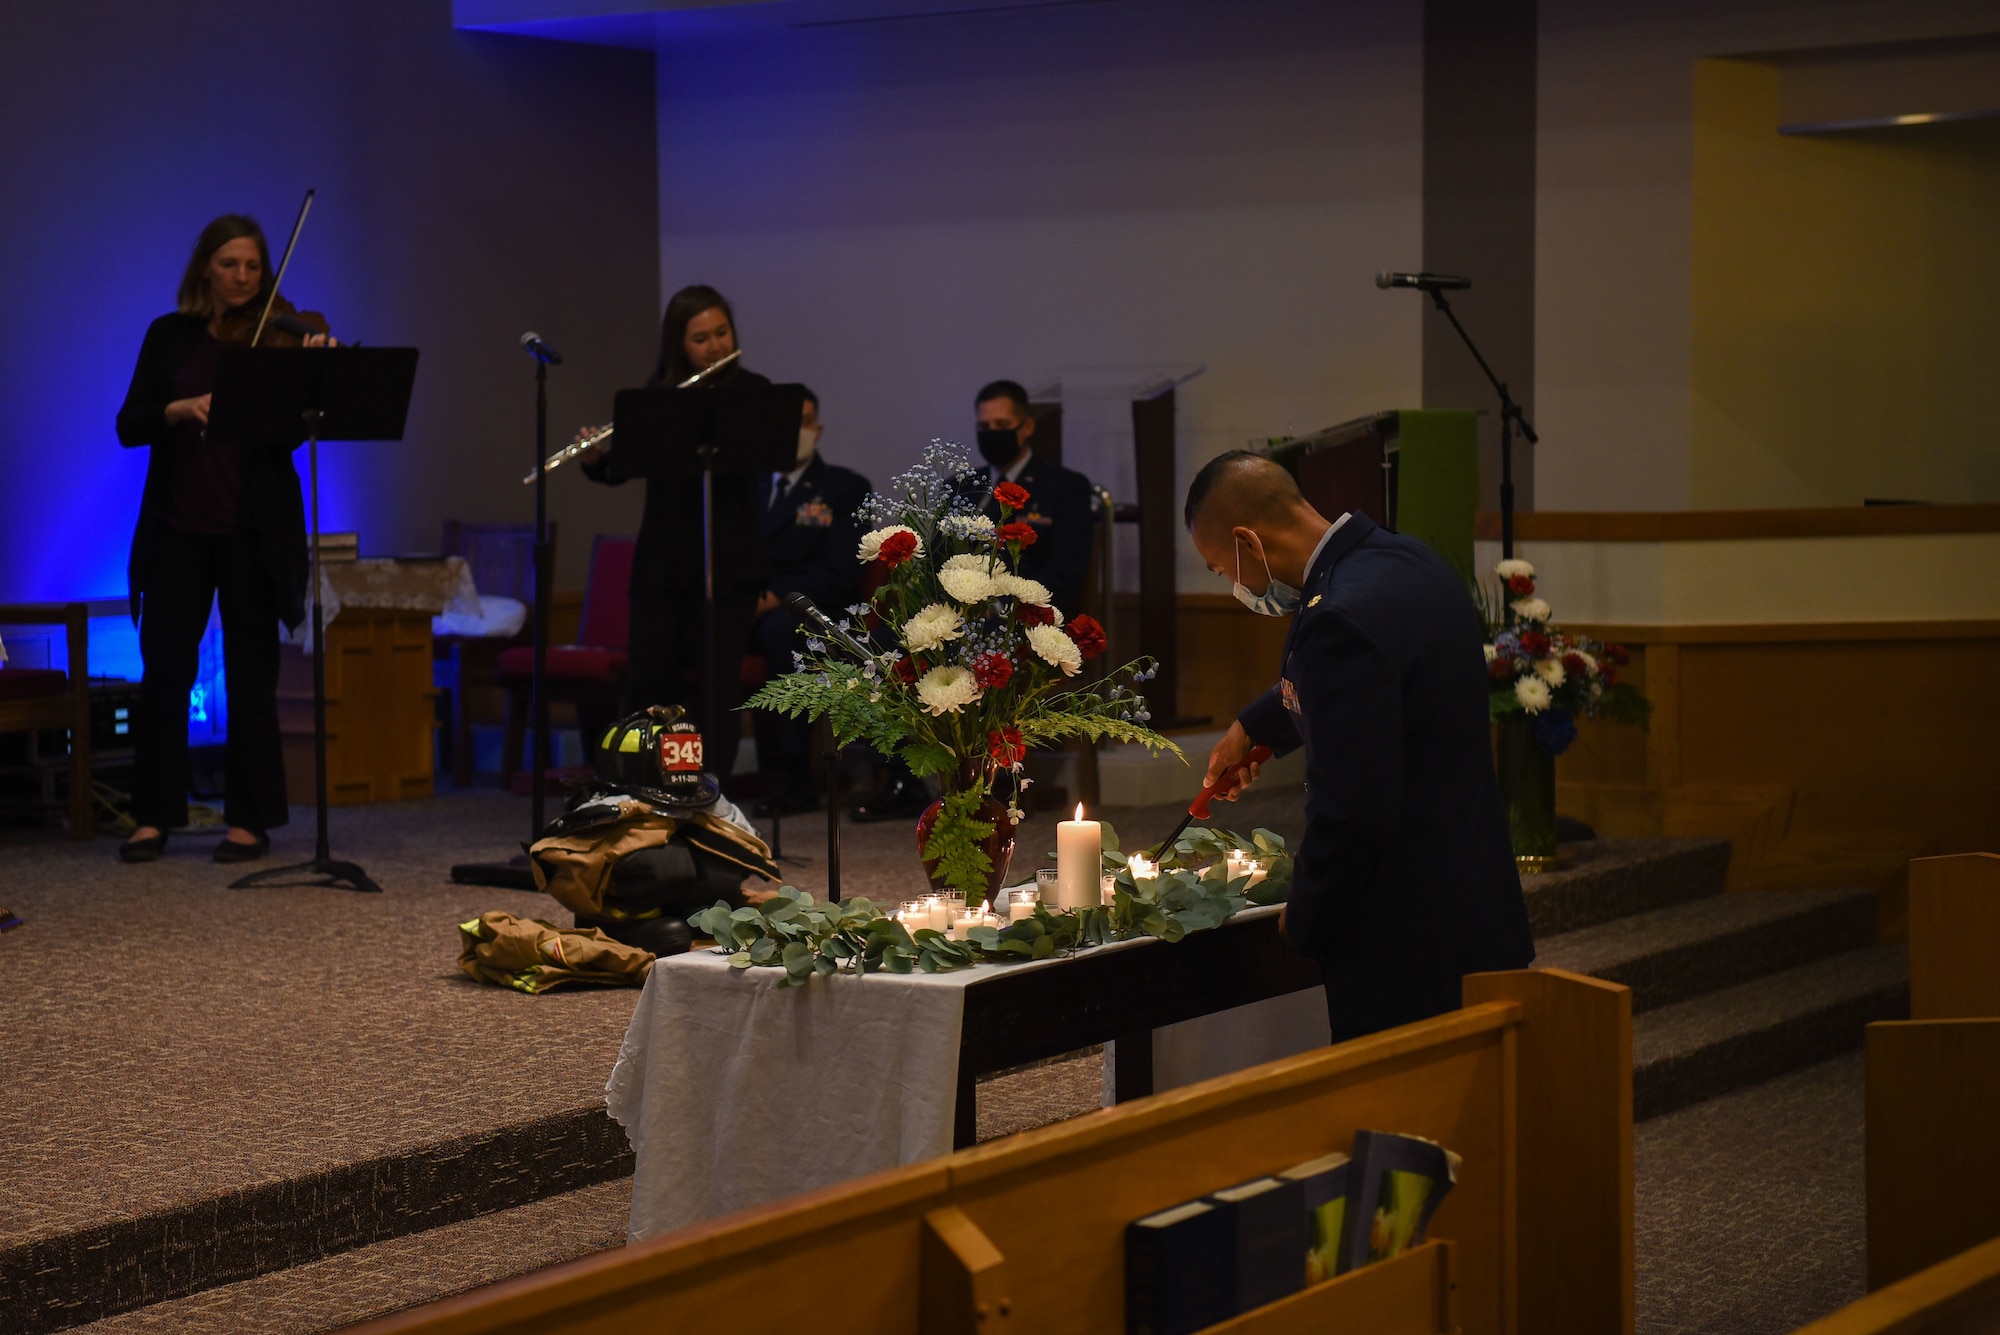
<point x="1120" y="996"/>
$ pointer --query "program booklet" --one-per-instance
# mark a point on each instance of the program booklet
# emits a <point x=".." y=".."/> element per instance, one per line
<point x="1398" y="1184"/>
<point x="1325" y="1185"/>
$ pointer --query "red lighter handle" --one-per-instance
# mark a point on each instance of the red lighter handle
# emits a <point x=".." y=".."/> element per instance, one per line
<point x="1199" y="807"/>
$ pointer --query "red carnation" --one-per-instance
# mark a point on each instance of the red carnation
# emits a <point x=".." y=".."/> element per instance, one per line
<point x="1501" y="668"/>
<point x="1616" y="653"/>
<point x="905" y="671"/>
<point x="992" y="671"/>
<point x="1089" y="636"/>
<point x="1574" y="665"/>
<point x="1018" y="531"/>
<point x="1521" y="585"/>
<point x="1534" y="644"/>
<point x="1033" y="614"/>
<point x="1609" y="674"/>
<point x="1011" y="494"/>
<point x="1005" y="746"/>
<point x="897" y="548"/>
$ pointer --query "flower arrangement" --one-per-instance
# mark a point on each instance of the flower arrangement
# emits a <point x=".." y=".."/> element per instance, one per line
<point x="958" y="664"/>
<point x="1538" y="671"/>
<point x="809" y="939"/>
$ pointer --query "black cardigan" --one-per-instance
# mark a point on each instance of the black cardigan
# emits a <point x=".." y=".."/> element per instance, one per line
<point x="668" y="556"/>
<point x="271" y="505"/>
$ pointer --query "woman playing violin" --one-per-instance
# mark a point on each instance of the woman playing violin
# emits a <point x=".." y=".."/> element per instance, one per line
<point x="218" y="521"/>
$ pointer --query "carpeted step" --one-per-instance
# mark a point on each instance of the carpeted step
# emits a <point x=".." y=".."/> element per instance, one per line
<point x="390" y="1276"/>
<point x="1697" y="1049"/>
<point x="1602" y="879"/>
<point x="1672" y="954"/>
<point x="69" y="1278"/>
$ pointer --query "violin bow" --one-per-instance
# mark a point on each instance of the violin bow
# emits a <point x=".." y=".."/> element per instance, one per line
<point x="305" y="207"/>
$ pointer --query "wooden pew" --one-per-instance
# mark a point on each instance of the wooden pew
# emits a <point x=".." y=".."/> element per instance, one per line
<point x="1530" y="1083"/>
<point x="1957" y="1296"/>
<point x="1954" y="936"/>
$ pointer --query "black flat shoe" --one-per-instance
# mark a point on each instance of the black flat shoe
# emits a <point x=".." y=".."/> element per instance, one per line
<point x="231" y="851"/>
<point x="143" y="850"/>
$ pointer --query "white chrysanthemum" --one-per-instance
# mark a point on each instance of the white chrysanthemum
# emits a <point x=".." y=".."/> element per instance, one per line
<point x="1056" y="649"/>
<point x="871" y="542"/>
<point x="1511" y="568"/>
<point x="1533" y="693"/>
<point x="932" y="627"/>
<point x="969" y="578"/>
<point x="1491" y="653"/>
<point x="947" y="689"/>
<point x="973" y="528"/>
<point x="1531" y="609"/>
<point x="1023" y="590"/>
<point x="1550" y="670"/>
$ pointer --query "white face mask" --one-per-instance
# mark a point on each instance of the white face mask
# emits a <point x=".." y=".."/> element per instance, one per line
<point x="1278" y="598"/>
<point x="808" y="440"/>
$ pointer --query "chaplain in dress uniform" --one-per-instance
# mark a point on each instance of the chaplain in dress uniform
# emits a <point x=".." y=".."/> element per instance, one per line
<point x="1058" y="498"/>
<point x="810" y="540"/>
<point x="1405" y="880"/>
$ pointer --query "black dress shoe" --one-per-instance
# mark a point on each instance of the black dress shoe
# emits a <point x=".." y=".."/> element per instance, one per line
<point x="143" y="850"/>
<point x="231" y="851"/>
<point x="902" y="798"/>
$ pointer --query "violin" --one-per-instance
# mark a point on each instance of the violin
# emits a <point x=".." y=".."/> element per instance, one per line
<point x="285" y="325"/>
<point x="275" y="322"/>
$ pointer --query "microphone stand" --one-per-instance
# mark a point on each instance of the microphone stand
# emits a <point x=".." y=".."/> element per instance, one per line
<point x="1511" y="418"/>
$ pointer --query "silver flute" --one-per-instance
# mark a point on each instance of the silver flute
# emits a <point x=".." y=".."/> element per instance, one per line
<point x="602" y="434"/>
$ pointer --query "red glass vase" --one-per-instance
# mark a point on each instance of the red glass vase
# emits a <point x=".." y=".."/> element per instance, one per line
<point x="999" y="845"/>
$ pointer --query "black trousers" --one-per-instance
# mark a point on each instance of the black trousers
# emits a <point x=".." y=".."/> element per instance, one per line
<point x="775" y="637"/>
<point x="190" y="572"/>
<point x="664" y="648"/>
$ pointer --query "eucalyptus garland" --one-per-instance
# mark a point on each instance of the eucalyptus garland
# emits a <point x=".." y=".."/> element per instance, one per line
<point x="1193" y="892"/>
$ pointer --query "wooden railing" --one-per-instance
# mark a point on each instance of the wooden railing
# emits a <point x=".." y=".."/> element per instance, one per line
<point x="1530" y="1083"/>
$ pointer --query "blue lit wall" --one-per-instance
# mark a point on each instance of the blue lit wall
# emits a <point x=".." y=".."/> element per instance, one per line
<point x="470" y="186"/>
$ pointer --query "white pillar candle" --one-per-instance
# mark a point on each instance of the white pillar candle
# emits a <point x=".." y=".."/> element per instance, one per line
<point x="1079" y="860"/>
<point x="938" y="913"/>
<point x="1107" y="890"/>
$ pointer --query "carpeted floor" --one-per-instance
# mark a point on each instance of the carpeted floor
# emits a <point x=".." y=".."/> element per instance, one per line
<point x="172" y="1039"/>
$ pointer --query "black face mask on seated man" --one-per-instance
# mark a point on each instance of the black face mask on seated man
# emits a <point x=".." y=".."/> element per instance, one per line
<point x="1000" y="448"/>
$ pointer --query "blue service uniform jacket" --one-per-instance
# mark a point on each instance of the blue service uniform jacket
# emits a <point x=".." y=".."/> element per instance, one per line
<point x="811" y="537"/>
<point x="1059" y="510"/>
<point x="1405" y="880"/>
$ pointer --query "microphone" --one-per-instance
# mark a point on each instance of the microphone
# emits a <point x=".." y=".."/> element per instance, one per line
<point x="808" y="611"/>
<point x="532" y="344"/>
<point x="1427" y="282"/>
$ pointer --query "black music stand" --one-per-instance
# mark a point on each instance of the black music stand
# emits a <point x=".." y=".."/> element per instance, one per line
<point x="264" y="397"/>
<point x="671" y="434"/>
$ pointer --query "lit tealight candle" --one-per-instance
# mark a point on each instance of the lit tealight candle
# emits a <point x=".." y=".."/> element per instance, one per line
<point x="1107" y="890"/>
<point x="1142" y="867"/>
<point x="938" y="912"/>
<point x="963" y="923"/>
<point x="1022" y="905"/>
<point x="1237" y="864"/>
<point x="1079" y="860"/>
<point x="1255" y="870"/>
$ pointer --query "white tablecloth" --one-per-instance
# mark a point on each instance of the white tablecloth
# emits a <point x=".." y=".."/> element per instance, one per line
<point x="734" y="1093"/>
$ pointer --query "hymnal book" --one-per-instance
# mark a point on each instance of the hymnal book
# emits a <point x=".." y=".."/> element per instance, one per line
<point x="1268" y="1223"/>
<point x="1396" y="1185"/>
<point x="1178" y="1270"/>
<point x="1324" y="1183"/>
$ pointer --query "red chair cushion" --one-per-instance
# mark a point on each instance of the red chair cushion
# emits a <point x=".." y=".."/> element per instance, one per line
<point x="32" y="683"/>
<point x="567" y="662"/>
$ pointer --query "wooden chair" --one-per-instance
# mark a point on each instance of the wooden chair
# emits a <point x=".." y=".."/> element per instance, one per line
<point x="1531" y="1083"/>
<point x="589" y="674"/>
<point x="502" y="560"/>
<point x="32" y="699"/>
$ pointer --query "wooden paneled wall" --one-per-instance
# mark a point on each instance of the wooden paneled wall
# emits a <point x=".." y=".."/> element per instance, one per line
<point x="1830" y="754"/>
